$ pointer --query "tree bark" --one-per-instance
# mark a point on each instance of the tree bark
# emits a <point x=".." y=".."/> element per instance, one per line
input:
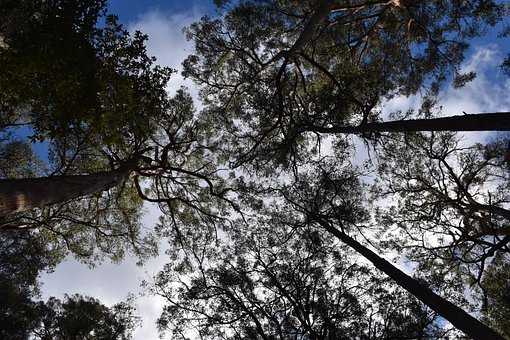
<point x="455" y="315"/>
<point x="18" y="195"/>
<point x="323" y="8"/>
<point x="320" y="14"/>
<point x="499" y="121"/>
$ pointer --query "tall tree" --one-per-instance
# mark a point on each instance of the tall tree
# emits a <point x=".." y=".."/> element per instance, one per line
<point x="178" y="173"/>
<point x="268" y="279"/>
<point x="445" y="208"/>
<point x="272" y="72"/>
<point x="115" y="138"/>
<point x="327" y="193"/>
<point x="275" y="74"/>
<point x="64" y="73"/>
<point x="105" y="225"/>
<point x="18" y="195"/>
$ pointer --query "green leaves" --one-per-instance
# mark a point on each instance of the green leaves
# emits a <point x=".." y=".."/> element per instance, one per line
<point x="75" y="317"/>
<point x="359" y="55"/>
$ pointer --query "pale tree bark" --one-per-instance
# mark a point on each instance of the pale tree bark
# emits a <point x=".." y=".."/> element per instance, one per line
<point x="455" y="315"/>
<point x="17" y="195"/>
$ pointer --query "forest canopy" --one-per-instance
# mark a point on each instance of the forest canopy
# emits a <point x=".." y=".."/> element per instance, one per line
<point x="272" y="226"/>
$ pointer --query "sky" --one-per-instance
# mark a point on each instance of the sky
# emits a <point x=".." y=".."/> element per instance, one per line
<point x="163" y="21"/>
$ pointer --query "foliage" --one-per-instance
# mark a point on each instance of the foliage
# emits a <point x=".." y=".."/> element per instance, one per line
<point x="64" y="74"/>
<point x="17" y="160"/>
<point x="496" y="295"/>
<point x="87" y="87"/>
<point x="83" y="317"/>
<point x="251" y="256"/>
<point x="76" y="317"/>
<point x="274" y="74"/>
<point x="269" y="280"/>
<point x="446" y="205"/>
<point x="23" y="256"/>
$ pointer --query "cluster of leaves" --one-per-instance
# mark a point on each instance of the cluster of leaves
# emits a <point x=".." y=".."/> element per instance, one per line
<point x="76" y="317"/>
<point x="65" y="75"/>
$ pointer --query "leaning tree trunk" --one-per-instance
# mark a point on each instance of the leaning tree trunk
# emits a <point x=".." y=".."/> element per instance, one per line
<point x="18" y="195"/>
<point x="320" y="14"/>
<point x="499" y="121"/>
<point x="323" y="8"/>
<point x="457" y="317"/>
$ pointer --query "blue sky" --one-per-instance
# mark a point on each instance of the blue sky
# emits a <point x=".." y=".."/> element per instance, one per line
<point x="163" y="22"/>
<point x="130" y="10"/>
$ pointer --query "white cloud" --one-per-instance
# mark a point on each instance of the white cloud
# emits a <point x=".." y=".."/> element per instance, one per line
<point x="167" y="41"/>
<point x="488" y="92"/>
<point x="151" y="306"/>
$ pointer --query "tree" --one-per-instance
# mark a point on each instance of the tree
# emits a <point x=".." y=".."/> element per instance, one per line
<point x="178" y="173"/>
<point x="105" y="225"/>
<point x="447" y="188"/>
<point x="76" y="317"/>
<point x="64" y="74"/>
<point x="17" y="159"/>
<point x="446" y="209"/>
<point x="90" y="93"/>
<point x="268" y="279"/>
<point x="18" y="195"/>
<point x="327" y="193"/>
<point x="84" y="317"/>
<point x="275" y="75"/>
<point x="17" y="313"/>
<point x="23" y="256"/>
<point x="115" y="138"/>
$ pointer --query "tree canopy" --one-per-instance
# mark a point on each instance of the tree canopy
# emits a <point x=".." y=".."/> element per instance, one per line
<point x="103" y="118"/>
<point x="274" y="228"/>
<point x="274" y="71"/>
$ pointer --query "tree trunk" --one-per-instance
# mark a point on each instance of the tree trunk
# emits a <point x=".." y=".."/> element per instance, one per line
<point x="458" y="317"/>
<point x="323" y="8"/>
<point x="499" y="121"/>
<point x="18" y="195"/>
<point x="320" y="14"/>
